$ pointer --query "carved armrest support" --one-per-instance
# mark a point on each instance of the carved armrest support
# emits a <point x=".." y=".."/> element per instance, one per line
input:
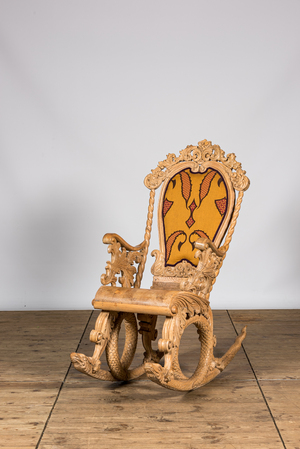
<point x="210" y="261"/>
<point x="123" y="256"/>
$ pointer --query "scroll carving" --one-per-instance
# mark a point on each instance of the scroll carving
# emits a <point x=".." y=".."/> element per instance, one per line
<point x="188" y="301"/>
<point x="100" y="336"/>
<point x="122" y="262"/>
<point x="204" y="152"/>
<point x="210" y="260"/>
<point x="170" y="375"/>
<point x="191" y="304"/>
<point x="182" y="269"/>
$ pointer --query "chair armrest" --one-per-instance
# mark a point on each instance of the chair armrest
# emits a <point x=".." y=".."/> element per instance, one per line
<point x="123" y="256"/>
<point x="204" y="243"/>
<point x="210" y="261"/>
<point x="110" y="238"/>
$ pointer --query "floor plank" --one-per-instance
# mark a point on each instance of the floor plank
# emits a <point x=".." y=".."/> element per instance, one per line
<point x="37" y="344"/>
<point x="272" y="343"/>
<point x="24" y="410"/>
<point x="129" y="415"/>
<point x="284" y="401"/>
<point x="230" y="412"/>
<point x="258" y="391"/>
<point x="34" y="360"/>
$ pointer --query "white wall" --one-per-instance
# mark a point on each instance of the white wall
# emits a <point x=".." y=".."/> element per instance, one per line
<point x="94" y="93"/>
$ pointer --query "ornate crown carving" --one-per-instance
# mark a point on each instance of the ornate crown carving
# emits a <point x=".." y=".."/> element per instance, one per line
<point x="204" y="152"/>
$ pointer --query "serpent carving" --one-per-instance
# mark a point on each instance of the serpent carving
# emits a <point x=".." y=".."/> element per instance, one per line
<point x="197" y="209"/>
<point x="119" y="367"/>
<point x="171" y="375"/>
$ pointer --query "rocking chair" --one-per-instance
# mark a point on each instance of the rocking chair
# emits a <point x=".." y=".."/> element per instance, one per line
<point x="197" y="209"/>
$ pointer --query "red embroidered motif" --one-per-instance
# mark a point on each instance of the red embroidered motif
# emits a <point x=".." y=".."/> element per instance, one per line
<point x="191" y="220"/>
<point x="192" y="206"/>
<point x="166" y="207"/>
<point x="201" y="234"/>
<point x="205" y="185"/>
<point x="171" y="241"/>
<point x="186" y="185"/>
<point x="221" y="205"/>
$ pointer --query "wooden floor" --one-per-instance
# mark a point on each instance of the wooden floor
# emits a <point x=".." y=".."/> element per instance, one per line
<point x="46" y="404"/>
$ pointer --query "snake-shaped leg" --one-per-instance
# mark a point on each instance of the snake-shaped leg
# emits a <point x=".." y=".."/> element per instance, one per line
<point x="100" y="336"/>
<point x="170" y="375"/>
<point x="219" y="364"/>
<point x="119" y="366"/>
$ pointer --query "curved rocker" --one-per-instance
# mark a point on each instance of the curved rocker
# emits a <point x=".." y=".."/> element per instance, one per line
<point x="171" y="376"/>
<point x="200" y="183"/>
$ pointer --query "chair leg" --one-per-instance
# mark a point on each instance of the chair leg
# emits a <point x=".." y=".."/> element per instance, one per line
<point x="119" y="367"/>
<point x="106" y="337"/>
<point x="100" y="336"/>
<point x="149" y="334"/>
<point x="170" y="375"/>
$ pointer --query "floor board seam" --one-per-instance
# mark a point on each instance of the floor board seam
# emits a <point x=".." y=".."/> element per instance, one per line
<point x="62" y="385"/>
<point x="258" y="384"/>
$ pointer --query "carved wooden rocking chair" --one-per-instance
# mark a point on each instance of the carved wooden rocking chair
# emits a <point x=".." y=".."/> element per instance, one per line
<point x="197" y="208"/>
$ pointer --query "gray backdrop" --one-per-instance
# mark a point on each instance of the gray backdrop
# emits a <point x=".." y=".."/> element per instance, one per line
<point x="94" y="93"/>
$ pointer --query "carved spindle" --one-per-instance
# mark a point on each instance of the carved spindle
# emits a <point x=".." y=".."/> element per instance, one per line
<point x="233" y="221"/>
<point x="141" y="268"/>
<point x="228" y="238"/>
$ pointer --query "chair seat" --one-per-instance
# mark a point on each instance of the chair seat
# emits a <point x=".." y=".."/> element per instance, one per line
<point x="136" y="300"/>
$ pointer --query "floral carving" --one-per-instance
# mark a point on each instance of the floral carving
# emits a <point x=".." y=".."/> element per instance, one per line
<point x="210" y="260"/>
<point x="204" y="152"/>
<point x="182" y="269"/>
<point x="190" y="306"/>
<point x="190" y="303"/>
<point x="121" y="263"/>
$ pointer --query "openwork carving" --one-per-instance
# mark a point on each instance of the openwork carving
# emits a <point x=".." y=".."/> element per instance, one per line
<point x="170" y="375"/>
<point x="210" y="260"/>
<point x="182" y="269"/>
<point x="122" y="261"/>
<point x="181" y="287"/>
<point x="100" y="336"/>
<point x="190" y="303"/>
<point x="204" y="152"/>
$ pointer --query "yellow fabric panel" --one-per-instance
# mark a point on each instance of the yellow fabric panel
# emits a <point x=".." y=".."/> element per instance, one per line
<point x="194" y="206"/>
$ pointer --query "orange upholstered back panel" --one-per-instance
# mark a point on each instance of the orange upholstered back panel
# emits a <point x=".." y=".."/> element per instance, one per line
<point x="194" y="205"/>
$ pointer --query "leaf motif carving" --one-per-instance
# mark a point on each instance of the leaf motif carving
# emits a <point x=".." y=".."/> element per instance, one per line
<point x="200" y="281"/>
<point x="182" y="269"/>
<point x="203" y="152"/>
<point x="121" y="263"/>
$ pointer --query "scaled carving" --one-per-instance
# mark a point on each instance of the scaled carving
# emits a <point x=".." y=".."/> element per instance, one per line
<point x="195" y="274"/>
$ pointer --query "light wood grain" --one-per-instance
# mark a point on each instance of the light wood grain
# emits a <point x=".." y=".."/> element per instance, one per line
<point x="24" y="409"/>
<point x="284" y="401"/>
<point x="36" y="345"/>
<point x="277" y="334"/>
<point x="127" y="415"/>
<point x="184" y="274"/>
<point x="34" y="359"/>
<point x="228" y="413"/>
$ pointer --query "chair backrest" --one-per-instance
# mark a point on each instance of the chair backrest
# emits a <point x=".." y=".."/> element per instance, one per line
<point x="197" y="199"/>
<point x="193" y="205"/>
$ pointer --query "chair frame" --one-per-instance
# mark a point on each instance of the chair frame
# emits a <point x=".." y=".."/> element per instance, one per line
<point x="180" y="293"/>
